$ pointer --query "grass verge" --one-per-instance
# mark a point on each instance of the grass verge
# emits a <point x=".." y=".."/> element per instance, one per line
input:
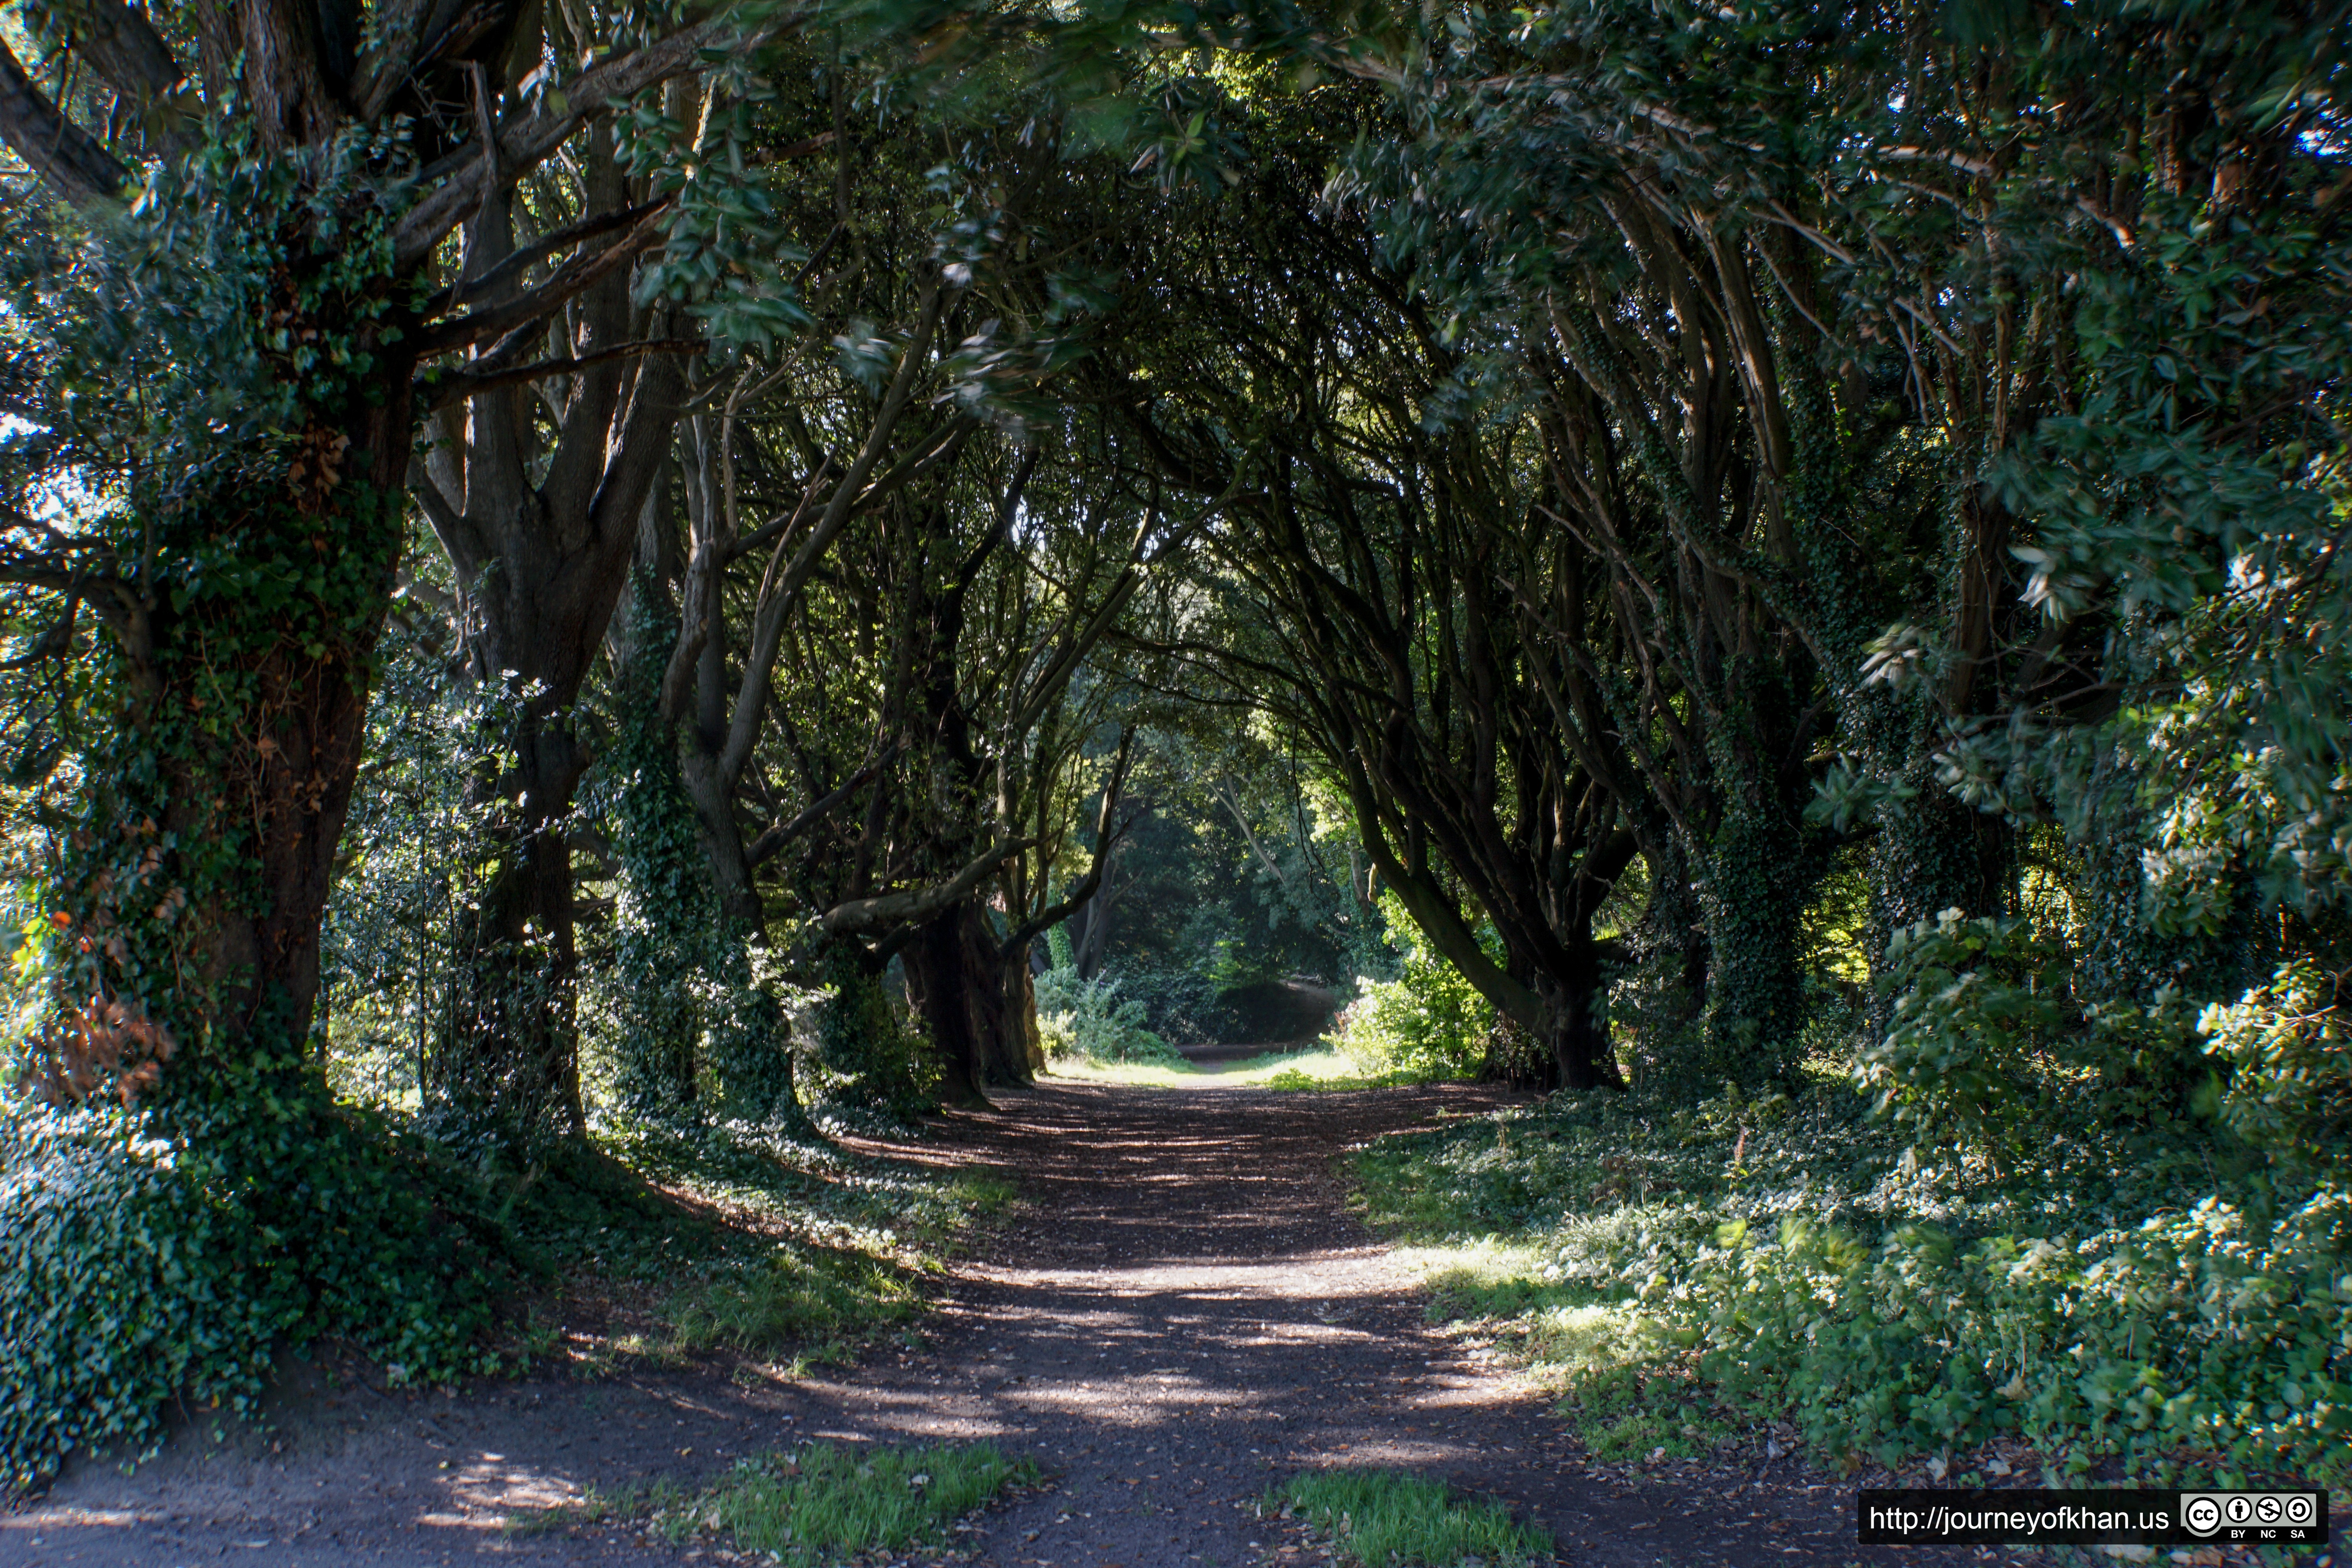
<point x="1391" y="1518"/>
<point x="1745" y="1272"/>
<point x="819" y="1504"/>
<point x="675" y="1240"/>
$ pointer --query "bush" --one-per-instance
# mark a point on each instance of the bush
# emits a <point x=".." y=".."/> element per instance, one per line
<point x="1803" y="1262"/>
<point x="109" y="1300"/>
<point x="1176" y="1003"/>
<point x="1429" y="1022"/>
<point x="160" y="1254"/>
<point x="873" y="1057"/>
<point x="2200" y="1330"/>
<point x="2288" y="1048"/>
<point x="1088" y="1018"/>
<point x="1979" y="1006"/>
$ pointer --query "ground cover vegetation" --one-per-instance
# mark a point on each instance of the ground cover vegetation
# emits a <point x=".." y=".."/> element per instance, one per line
<point x="600" y="597"/>
<point x="1389" y="1518"/>
<point x="816" y="1504"/>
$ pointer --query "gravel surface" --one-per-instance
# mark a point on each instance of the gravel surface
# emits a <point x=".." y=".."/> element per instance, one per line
<point x="1182" y="1314"/>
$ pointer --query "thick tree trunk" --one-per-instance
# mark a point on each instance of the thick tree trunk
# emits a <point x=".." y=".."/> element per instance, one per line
<point x="506" y="1063"/>
<point x="1576" y="1003"/>
<point x="981" y="1018"/>
<point x="308" y="719"/>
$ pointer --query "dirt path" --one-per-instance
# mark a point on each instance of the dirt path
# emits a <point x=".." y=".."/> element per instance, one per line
<point x="1184" y="1313"/>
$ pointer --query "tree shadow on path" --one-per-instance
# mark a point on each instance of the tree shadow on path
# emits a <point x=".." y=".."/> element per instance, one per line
<point x="1183" y="1313"/>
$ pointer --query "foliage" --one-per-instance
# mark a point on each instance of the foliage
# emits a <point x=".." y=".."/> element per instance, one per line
<point x="872" y="1059"/>
<point x="1391" y="1518"/>
<point x="112" y="1299"/>
<point x="668" y="926"/>
<point x="823" y="1503"/>
<point x="1428" y="1021"/>
<point x="2288" y="1050"/>
<point x="202" y="358"/>
<point x="1799" y="1262"/>
<point x="151" y="1257"/>
<point x="1178" y="996"/>
<point x="1087" y="1018"/>
<point x="1644" y="433"/>
<point x="1230" y="878"/>
<point x="1980" y="1007"/>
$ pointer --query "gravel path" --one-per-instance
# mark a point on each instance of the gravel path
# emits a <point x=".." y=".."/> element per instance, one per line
<point x="1183" y="1313"/>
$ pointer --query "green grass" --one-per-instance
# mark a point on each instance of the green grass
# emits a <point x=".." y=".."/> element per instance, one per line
<point x="1317" y="1069"/>
<point x="1389" y="1518"/>
<point x="746" y="1240"/>
<point x="822" y="1504"/>
<point x="811" y="1299"/>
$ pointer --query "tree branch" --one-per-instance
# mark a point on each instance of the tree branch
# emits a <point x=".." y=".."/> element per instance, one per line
<point x="913" y="907"/>
<point x="580" y="272"/>
<point x="58" y="151"/>
<point x="436" y="393"/>
<point x="783" y="833"/>
<point x="526" y="141"/>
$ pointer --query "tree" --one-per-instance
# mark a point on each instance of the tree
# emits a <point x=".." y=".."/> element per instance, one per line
<point x="297" y="190"/>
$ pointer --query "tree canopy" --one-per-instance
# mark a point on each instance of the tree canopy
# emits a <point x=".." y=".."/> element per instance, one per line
<point x="579" y="565"/>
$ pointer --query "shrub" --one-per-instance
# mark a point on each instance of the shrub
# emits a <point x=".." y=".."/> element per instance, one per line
<point x="1177" y="1002"/>
<point x="108" y="1297"/>
<point x="161" y="1254"/>
<point x="2111" y="1297"/>
<point x="1979" y="1006"/>
<point x="1429" y="1022"/>
<point x="2288" y="1046"/>
<point x="874" y="1058"/>
<point x="1088" y="1018"/>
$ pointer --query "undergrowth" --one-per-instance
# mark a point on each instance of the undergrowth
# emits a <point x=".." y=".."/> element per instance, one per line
<point x="762" y="1244"/>
<point x="133" y="1275"/>
<point x="820" y="1503"/>
<point x="1389" y="1518"/>
<point x="1089" y="1021"/>
<point x="1681" y="1270"/>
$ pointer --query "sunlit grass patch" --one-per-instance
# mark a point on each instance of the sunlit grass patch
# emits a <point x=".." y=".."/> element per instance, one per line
<point x="1148" y="1075"/>
<point x="1510" y="1293"/>
<point x="1313" y="1067"/>
<point x="819" y="1299"/>
<point x="1327" y="1068"/>
<point x="821" y="1504"/>
<point x="1389" y="1518"/>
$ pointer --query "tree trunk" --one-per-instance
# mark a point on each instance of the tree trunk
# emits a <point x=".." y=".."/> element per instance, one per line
<point x="1093" y="921"/>
<point x="504" y="1065"/>
<point x="1576" y="1003"/>
<point x="192" y="887"/>
<point x="983" y="1020"/>
<point x="542" y="542"/>
<point x="310" y="706"/>
<point x="1024" y="1005"/>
